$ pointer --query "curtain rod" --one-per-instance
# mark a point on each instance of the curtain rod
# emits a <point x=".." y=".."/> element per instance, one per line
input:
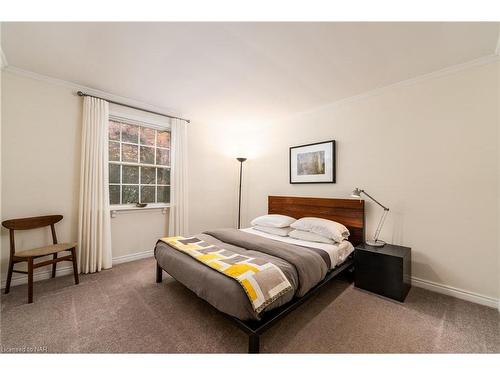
<point x="80" y="93"/>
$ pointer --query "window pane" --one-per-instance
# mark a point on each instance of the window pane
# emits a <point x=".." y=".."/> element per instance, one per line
<point x="138" y="145"/>
<point x="162" y="156"/>
<point x="148" y="175"/>
<point x="130" y="194"/>
<point x="114" y="131"/>
<point x="147" y="194"/>
<point x="114" y="194"/>
<point x="163" y="194"/>
<point x="147" y="155"/>
<point x="114" y="151"/>
<point x="147" y="136"/>
<point x="130" y="153"/>
<point x="163" y="139"/>
<point x="114" y="174"/>
<point x="163" y="176"/>
<point x="130" y="133"/>
<point x="130" y="174"/>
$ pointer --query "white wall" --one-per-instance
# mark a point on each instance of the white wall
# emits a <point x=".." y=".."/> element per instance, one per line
<point x="427" y="149"/>
<point x="41" y="168"/>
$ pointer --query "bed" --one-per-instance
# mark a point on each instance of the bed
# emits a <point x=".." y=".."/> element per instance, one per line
<point x="307" y="266"/>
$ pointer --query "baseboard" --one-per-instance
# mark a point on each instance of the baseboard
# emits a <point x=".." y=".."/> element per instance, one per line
<point x="456" y="292"/>
<point x="131" y="257"/>
<point x="68" y="270"/>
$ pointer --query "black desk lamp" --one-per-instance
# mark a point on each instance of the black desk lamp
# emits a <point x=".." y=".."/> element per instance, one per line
<point x="241" y="160"/>
<point x="376" y="242"/>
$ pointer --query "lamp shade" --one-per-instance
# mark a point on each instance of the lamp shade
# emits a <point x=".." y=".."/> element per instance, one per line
<point x="356" y="193"/>
<point x="241" y="160"/>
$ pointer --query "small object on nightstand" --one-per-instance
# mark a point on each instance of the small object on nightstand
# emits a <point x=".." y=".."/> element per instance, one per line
<point x="383" y="270"/>
<point x="375" y="242"/>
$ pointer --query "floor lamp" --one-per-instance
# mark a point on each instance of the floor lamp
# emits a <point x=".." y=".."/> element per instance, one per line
<point x="241" y="160"/>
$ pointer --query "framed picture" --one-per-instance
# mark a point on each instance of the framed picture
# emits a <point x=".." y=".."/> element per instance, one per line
<point x="313" y="163"/>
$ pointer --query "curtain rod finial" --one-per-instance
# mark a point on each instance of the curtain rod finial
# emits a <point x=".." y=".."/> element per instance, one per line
<point x="79" y="93"/>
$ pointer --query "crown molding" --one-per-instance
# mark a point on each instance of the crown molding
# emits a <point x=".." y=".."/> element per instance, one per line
<point x="485" y="60"/>
<point x="378" y="91"/>
<point x="88" y="90"/>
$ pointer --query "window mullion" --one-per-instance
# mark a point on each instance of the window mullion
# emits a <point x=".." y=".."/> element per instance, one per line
<point x="140" y="185"/>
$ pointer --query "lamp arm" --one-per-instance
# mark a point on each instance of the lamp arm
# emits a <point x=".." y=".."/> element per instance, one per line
<point x="376" y="201"/>
<point x="380" y="224"/>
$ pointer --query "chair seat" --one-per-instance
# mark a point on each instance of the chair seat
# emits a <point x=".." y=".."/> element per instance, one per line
<point x="46" y="250"/>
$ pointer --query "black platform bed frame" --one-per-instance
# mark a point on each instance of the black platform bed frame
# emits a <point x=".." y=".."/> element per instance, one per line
<point x="346" y="211"/>
<point x="254" y="328"/>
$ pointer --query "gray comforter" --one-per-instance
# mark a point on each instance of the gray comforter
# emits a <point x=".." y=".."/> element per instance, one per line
<point x="303" y="267"/>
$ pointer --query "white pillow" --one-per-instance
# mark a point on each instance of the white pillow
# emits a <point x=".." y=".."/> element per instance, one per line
<point x="283" y="232"/>
<point x="326" y="228"/>
<point x="309" y="236"/>
<point x="275" y="221"/>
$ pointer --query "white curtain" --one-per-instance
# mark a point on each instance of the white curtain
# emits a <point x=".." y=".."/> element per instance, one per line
<point x="178" y="217"/>
<point x="94" y="226"/>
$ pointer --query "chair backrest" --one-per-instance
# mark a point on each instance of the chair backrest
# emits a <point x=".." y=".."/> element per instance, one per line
<point x="31" y="223"/>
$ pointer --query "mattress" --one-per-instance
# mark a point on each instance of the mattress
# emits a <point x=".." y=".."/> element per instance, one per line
<point x="304" y="265"/>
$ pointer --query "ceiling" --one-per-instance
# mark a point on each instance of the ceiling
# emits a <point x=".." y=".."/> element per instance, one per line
<point x="230" y="71"/>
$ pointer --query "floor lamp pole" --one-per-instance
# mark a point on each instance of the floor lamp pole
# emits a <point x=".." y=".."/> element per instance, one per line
<point x="241" y="160"/>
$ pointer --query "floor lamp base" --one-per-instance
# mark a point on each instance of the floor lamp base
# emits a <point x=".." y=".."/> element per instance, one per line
<point x="376" y="243"/>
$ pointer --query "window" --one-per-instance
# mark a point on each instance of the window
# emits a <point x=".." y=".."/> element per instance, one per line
<point x="139" y="164"/>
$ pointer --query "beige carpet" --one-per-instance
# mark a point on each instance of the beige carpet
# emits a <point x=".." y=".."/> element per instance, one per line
<point x="124" y="310"/>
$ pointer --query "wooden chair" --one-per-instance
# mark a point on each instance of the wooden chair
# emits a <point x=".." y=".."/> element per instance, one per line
<point x="29" y="255"/>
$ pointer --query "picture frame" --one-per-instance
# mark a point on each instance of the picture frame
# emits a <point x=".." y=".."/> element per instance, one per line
<point x="313" y="163"/>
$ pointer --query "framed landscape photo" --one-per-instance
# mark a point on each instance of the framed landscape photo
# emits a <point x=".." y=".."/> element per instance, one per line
<point x="313" y="163"/>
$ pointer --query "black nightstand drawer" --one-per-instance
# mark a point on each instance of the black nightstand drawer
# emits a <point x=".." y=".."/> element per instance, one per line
<point x="385" y="271"/>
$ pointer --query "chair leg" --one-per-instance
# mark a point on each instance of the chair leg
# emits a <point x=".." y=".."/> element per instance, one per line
<point x="30" y="280"/>
<point x="9" y="276"/>
<point x="75" y="266"/>
<point x="54" y="265"/>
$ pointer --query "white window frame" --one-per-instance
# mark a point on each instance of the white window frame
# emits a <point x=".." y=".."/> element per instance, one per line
<point x="147" y="123"/>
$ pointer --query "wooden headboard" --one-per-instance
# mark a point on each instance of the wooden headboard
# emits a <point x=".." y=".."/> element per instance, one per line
<point x="350" y="212"/>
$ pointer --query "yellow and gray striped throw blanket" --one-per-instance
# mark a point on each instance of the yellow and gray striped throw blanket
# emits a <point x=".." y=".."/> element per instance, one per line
<point x="262" y="281"/>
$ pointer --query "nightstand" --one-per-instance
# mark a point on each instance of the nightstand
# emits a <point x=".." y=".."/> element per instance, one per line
<point x="383" y="270"/>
